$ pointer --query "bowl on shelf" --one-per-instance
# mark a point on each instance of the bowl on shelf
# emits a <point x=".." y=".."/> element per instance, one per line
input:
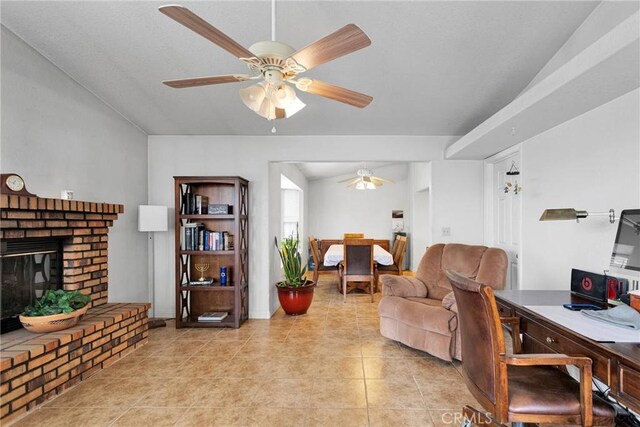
<point x="53" y="323"/>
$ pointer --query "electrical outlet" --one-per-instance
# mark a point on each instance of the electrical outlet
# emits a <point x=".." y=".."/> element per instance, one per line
<point x="446" y="231"/>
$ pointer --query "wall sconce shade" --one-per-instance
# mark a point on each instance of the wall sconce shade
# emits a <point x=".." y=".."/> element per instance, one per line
<point x="152" y="218"/>
<point x="570" y="213"/>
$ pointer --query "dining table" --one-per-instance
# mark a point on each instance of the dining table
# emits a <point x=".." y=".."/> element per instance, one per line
<point x="335" y="255"/>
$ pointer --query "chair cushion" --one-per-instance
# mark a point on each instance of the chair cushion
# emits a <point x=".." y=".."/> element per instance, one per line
<point x="387" y="267"/>
<point x="420" y="315"/>
<point x="323" y="267"/>
<point x="545" y="390"/>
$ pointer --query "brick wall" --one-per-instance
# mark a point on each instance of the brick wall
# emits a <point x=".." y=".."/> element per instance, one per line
<point x="84" y="228"/>
<point x="36" y="367"/>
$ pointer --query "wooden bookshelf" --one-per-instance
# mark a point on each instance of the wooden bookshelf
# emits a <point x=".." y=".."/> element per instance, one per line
<point x="192" y="301"/>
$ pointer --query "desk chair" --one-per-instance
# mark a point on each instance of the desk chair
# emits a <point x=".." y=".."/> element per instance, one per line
<point x="318" y="261"/>
<point x="358" y="265"/>
<point x="522" y="388"/>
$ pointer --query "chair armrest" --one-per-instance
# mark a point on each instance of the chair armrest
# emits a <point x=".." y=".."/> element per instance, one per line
<point x="547" y="359"/>
<point x="402" y="286"/>
<point x="514" y="323"/>
<point x="582" y="362"/>
<point x="449" y="303"/>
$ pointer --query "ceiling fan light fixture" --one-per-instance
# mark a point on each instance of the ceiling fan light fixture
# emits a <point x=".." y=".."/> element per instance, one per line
<point x="253" y="96"/>
<point x="282" y="95"/>
<point x="363" y="185"/>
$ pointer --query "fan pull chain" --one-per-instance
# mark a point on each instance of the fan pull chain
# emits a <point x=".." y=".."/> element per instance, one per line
<point x="273" y="129"/>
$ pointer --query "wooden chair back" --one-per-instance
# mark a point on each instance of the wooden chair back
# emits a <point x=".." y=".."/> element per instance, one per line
<point x="354" y="235"/>
<point x="358" y="257"/>
<point x="383" y="243"/>
<point x="315" y="251"/>
<point x="401" y="250"/>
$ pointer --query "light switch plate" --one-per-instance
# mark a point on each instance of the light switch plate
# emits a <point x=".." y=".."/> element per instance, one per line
<point x="446" y="231"/>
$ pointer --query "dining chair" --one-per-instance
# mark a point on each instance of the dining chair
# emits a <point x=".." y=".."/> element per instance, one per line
<point x="518" y="388"/>
<point x="354" y="235"/>
<point x="318" y="261"/>
<point x="398" y="252"/>
<point x="358" y="265"/>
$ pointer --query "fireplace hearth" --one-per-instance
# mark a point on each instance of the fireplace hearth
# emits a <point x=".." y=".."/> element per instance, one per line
<point x="28" y="268"/>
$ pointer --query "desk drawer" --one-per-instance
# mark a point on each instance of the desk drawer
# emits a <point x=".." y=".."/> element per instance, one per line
<point x="562" y="344"/>
<point x="629" y="384"/>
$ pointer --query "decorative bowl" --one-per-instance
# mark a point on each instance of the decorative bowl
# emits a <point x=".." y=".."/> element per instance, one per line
<point x="53" y="323"/>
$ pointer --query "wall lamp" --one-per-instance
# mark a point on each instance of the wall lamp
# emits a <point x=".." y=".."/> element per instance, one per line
<point x="570" y="213"/>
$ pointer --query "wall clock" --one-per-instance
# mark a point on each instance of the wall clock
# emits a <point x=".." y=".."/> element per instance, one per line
<point x="13" y="184"/>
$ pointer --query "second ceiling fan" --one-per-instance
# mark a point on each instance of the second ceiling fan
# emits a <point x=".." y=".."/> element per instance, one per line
<point x="277" y="65"/>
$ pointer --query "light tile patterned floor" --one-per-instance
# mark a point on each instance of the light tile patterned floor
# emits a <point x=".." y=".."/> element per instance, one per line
<point x="330" y="367"/>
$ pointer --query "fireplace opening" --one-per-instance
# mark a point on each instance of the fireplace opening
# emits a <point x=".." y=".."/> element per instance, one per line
<point x="28" y="268"/>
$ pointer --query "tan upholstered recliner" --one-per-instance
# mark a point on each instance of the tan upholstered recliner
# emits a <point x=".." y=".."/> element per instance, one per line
<point x="420" y="311"/>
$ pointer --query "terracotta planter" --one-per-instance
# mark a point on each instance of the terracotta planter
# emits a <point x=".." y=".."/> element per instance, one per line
<point x="296" y="300"/>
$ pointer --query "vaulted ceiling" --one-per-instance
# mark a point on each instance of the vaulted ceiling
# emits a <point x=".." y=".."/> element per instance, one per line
<point x="434" y="68"/>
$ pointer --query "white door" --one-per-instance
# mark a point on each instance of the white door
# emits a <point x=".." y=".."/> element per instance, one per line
<point x="503" y="207"/>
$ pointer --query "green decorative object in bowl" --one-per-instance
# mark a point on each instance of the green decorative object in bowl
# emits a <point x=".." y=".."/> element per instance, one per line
<point x="55" y="311"/>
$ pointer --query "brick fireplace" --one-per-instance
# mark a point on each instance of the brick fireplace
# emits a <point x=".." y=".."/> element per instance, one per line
<point x="36" y="367"/>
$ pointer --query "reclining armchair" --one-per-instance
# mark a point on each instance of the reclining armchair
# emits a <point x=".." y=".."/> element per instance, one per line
<point x="421" y="312"/>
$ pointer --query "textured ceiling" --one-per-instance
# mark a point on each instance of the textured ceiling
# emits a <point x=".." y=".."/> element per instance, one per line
<point x="321" y="170"/>
<point x="434" y="68"/>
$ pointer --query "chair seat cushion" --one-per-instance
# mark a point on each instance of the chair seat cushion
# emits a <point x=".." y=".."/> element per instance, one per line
<point x="392" y="267"/>
<point x="545" y="390"/>
<point x="323" y="267"/>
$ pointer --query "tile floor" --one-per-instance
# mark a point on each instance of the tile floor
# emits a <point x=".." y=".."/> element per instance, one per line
<point x="330" y="367"/>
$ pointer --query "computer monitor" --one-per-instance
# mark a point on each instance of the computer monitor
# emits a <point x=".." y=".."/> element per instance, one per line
<point x="625" y="258"/>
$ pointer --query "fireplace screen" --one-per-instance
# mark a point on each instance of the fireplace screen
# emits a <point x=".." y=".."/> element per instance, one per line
<point x="28" y="268"/>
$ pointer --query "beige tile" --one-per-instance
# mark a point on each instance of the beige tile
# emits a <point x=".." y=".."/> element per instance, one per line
<point x="382" y="347"/>
<point x="121" y="393"/>
<point x="320" y="417"/>
<point x="212" y="417"/>
<point x="219" y="349"/>
<point x="338" y="393"/>
<point x="175" y="392"/>
<point x="400" y="417"/>
<point x="202" y="367"/>
<point x="151" y="417"/>
<point x="394" y="394"/>
<point x="446" y="394"/>
<point x="180" y="348"/>
<point x="338" y="367"/>
<point x="160" y="367"/>
<point x="283" y="393"/>
<point x="71" y="397"/>
<point x="277" y="417"/>
<point x="386" y="367"/>
<point x="77" y="417"/>
<point x="228" y="392"/>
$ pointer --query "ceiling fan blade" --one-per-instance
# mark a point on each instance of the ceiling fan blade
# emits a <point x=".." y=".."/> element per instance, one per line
<point x="348" y="179"/>
<point x="353" y="183"/>
<point x="192" y="21"/>
<point x="204" y="81"/>
<point x="346" y="40"/>
<point x="383" y="179"/>
<point x="366" y="179"/>
<point x="338" y="93"/>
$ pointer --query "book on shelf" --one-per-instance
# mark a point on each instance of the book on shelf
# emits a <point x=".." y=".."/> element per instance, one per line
<point x="202" y="205"/>
<point x="216" y="316"/>
<point x="206" y="282"/>
<point x="194" y="237"/>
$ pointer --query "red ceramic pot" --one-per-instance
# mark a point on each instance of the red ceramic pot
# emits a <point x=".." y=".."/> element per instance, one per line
<point x="296" y="300"/>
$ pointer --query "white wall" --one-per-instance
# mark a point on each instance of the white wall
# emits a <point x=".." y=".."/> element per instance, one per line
<point x="456" y="201"/>
<point x="249" y="156"/>
<point x="335" y="209"/>
<point x="593" y="163"/>
<point x="57" y="135"/>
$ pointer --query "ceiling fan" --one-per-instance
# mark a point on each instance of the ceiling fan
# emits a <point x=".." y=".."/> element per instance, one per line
<point x="277" y="65"/>
<point x="365" y="180"/>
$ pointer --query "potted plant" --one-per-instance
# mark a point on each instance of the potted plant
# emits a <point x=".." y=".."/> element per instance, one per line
<point x="55" y="311"/>
<point x="294" y="292"/>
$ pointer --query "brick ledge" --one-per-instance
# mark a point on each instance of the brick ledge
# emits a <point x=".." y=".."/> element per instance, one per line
<point x="36" y="367"/>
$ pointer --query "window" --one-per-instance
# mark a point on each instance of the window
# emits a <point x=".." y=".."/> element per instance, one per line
<point x="290" y="211"/>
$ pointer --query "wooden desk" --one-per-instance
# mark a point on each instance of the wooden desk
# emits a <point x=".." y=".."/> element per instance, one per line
<point x="617" y="365"/>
